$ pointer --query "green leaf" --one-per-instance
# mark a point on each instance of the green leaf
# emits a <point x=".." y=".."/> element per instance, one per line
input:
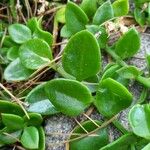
<point x="128" y="72"/>
<point x="14" y="136"/>
<point x="139" y="120"/>
<point x="112" y="97"/>
<point x="102" y="38"/>
<point x="128" y="44"/>
<point x="89" y="7"/>
<point x="81" y="57"/>
<point x="15" y="71"/>
<point x="41" y="138"/>
<point x="147" y="147"/>
<point x="68" y="96"/>
<point x="93" y="142"/>
<point x="13" y="53"/>
<point x="19" y="33"/>
<point x="39" y="101"/>
<point x="12" y="122"/>
<point x="65" y="32"/>
<point x="41" y="34"/>
<point x="121" y="7"/>
<point x="122" y="143"/>
<point x="111" y="72"/>
<point x="103" y="13"/>
<point x="139" y="16"/>
<point x="10" y="108"/>
<point x="8" y="42"/>
<point x="60" y="15"/>
<point x="35" y="119"/>
<point x="34" y="23"/>
<point x="30" y="138"/>
<point x="35" y="53"/>
<point x="75" y="17"/>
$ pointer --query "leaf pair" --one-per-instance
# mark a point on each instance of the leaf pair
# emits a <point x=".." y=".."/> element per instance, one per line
<point x="32" y="54"/>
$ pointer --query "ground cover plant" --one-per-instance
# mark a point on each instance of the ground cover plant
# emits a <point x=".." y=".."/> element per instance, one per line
<point x="40" y="78"/>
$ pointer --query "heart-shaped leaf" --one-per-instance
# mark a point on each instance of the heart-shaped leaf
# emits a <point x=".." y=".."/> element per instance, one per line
<point x="128" y="72"/>
<point x="65" y="32"/>
<point x="139" y="120"/>
<point x="80" y="55"/>
<point x="35" y="119"/>
<point x="10" y="108"/>
<point x="128" y="44"/>
<point x="35" y="53"/>
<point x="39" y="101"/>
<point x="30" y="138"/>
<point x="15" y="71"/>
<point x="75" y="17"/>
<point x="122" y="143"/>
<point x="12" y="122"/>
<point x="112" y="97"/>
<point x="68" y="96"/>
<point x="88" y="7"/>
<point x="60" y="15"/>
<point x="120" y="7"/>
<point x="94" y="141"/>
<point x="103" y="13"/>
<point x="13" y="53"/>
<point x="19" y="33"/>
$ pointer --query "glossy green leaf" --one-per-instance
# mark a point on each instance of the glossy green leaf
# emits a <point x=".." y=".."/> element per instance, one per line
<point x="122" y="143"/>
<point x="121" y="7"/>
<point x="129" y="72"/>
<point x="13" y="53"/>
<point x="139" y="16"/>
<point x="75" y="17"/>
<point x="10" y="108"/>
<point x="102" y="35"/>
<point x="15" y="71"/>
<point x="35" y="119"/>
<point x="35" y="53"/>
<point x="41" y="34"/>
<point x="12" y="122"/>
<point x="103" y="13"/>
<point x="30" y="138"/>
<point x="89" y="7"/>
<point x="39" y="101"/>
<point x="14" y="136"/>
<point x="68" y="96"/>
<point x="93" y="142"/>
<point x="19" y="33"/>
<point x="112" y="97"/>
<point x="139" y="120"/>
<point x="128" y="44"/>
<point x="41" y="138"/>
<point x="80" y="55"/>
<point x="147" y="147"/>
